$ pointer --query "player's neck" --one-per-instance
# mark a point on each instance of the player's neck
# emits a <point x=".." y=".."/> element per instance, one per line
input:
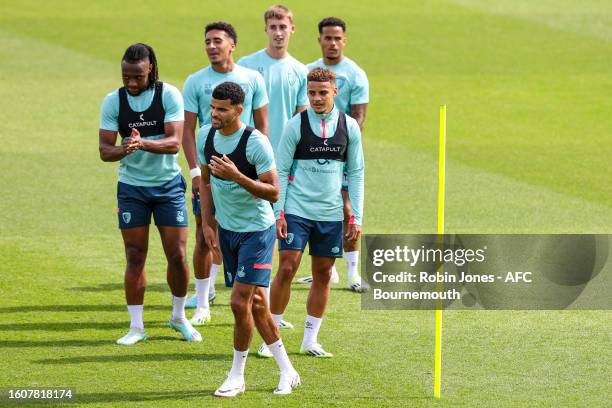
<point x="231" y="128"/>
<point x="224" y="66"/>
<point x="332" y="62"/>
<point x="324" y="114"/>
<point x="277" y="53"/>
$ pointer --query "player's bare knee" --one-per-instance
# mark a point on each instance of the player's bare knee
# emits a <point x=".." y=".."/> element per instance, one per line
<point x="177" y="258"/>
<point x="322" y="276"/>
<point x="286" y="272"/>
<point x="239" y="305"/>
<point x="259" y="307"/>
<point x="135" y="257"/>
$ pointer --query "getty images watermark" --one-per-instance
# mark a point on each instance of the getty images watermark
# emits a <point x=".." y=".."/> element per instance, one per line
<point x="469" y="271"/>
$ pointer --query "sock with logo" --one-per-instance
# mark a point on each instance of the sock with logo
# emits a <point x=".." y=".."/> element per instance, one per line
<point x="311" y="330"/>
<point x="240" y="358"/>
<point x="352" y="263"/>
<point x="280" y="355"/>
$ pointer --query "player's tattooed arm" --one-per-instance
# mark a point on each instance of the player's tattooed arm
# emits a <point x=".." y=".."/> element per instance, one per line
<point x="358" y="112"/>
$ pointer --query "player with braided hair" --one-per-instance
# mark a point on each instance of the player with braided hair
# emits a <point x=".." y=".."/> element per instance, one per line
<point x="148" y="115"/>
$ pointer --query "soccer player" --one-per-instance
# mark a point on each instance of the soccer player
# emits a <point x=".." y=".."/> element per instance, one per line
<point x="284" y="76"/>
<point x="239" y="178"/>
<point x="352" y="99"/>
<point x="318" y="144"/>
<point x="148" y="114"/>
<point x="220" y="43"/>
<point x="285" y="79"/>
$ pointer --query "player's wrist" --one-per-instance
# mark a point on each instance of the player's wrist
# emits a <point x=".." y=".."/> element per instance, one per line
<point x="195" y="172"/>
<point x="239" y="178"/>
<point x="143" y="144"/>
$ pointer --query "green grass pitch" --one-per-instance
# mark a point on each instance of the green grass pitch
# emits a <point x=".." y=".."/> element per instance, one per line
<point x="527" y="86"/>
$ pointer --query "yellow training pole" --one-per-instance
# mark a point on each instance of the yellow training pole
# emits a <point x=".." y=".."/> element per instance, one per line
<point x="441" y="173"/>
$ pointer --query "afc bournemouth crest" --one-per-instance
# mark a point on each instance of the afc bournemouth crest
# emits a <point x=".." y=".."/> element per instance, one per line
<point x="340" y="82"/>
<point x="291" y="78"/>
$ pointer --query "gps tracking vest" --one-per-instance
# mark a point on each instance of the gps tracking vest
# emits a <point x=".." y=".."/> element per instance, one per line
<point x="238" y="156"/>
<point x="312" y="147"/>
<point x="149" y="122"/>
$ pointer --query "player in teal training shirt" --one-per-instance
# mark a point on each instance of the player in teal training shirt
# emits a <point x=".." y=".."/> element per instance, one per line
<point x="239" y="176"/>
<point x="285" y="79"/>
<point x="148" y="115"/>
<point x="220" y="41"/>
<point x="352" y="99"/>
<point x="318" y="144"/>
<point x="285" y="76"/>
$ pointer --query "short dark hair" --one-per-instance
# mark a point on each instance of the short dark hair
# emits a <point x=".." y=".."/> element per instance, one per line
<point x="332" y="22"/>
<point x="322" y="75"/>
<point x="223" y="26"/>
<point x="229" y="90"/>
<point x="138" y="52"/>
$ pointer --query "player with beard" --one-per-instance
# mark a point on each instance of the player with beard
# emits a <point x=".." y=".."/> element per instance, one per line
<point x="239" y="177"/>
<point x="220" y="42"/>
<point x="148" y="114"/>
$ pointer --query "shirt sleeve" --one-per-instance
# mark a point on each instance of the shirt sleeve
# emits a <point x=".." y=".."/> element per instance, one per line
<point x="355" y="168"/>
<point x="200" y="143"/>
<point x="260" y="154"/>
<point x="302" y="96"/>
<point x="360" y="92"/>
<point x="190" y="96"/>
<point x="244" y="62"/>
<point x="173" y="104"/>
<point x="109" y="112"/>
<point x="260" y="96"/>
<point x="284" y="160"/>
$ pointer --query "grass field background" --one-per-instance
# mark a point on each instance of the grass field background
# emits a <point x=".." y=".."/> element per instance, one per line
<point x="529" y="145"/>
